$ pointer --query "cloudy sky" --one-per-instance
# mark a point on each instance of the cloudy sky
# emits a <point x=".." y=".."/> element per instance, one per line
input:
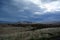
<point x="30" y="10"/>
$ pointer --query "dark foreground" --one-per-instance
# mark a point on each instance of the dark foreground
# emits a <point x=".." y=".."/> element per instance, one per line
<point x="20" y="33"/>
<point x="23" y="32"/>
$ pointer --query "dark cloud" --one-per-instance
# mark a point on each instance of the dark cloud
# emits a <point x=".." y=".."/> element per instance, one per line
<point x="20" y="10"/>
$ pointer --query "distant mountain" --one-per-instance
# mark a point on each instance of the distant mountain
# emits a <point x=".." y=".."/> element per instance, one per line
<point x="28" y="22"/>
<point x="3" y="21"/>
<point x="51" y="22"/>
<point x="18" y="22"/>
<point x="24" y="22"/>
<point x="6" y="22"/>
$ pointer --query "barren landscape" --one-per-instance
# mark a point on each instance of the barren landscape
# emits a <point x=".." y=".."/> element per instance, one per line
<point x="29" y="32"/>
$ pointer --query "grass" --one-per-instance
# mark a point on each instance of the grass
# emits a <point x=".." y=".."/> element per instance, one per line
<point x="21" y="33"/>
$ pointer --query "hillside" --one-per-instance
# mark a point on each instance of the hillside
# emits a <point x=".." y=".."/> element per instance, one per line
<point x="21" y="33"/>
<point x="29" y="31"/>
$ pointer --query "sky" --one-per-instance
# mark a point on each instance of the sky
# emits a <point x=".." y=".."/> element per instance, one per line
<point x="30" y="10"/>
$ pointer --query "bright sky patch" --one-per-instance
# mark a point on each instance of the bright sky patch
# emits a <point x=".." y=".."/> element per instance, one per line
<point x="47" y="6"/>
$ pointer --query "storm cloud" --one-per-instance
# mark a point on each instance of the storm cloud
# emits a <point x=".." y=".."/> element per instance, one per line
<point x="29" y="10"/>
